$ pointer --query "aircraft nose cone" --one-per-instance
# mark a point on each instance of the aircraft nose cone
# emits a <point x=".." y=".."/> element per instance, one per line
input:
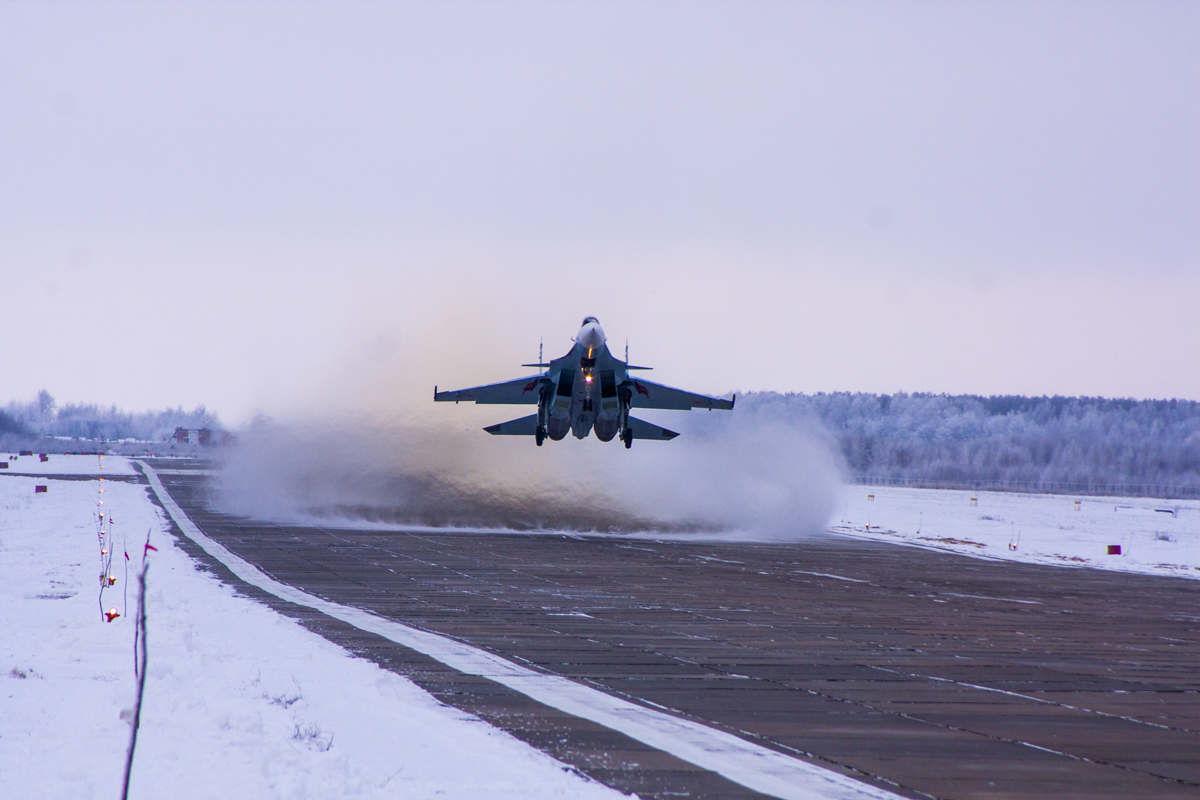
<point x="591" y="335"/>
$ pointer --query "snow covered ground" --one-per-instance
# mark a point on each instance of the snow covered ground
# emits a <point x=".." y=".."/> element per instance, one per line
<point x="56" y="464"/>
<point x="240" y="701"/>
<point x="1155" y="536"/>
<point x="244" y="702"/>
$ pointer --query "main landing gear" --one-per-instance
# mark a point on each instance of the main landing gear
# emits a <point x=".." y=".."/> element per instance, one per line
<point x="544" y="393"/>
<point x="627" y="438"/>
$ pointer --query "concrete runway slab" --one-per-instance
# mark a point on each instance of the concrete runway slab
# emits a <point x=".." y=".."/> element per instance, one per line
<point x="931" y="674"/>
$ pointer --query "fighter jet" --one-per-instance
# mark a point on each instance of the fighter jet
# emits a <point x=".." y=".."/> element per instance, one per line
<point x="587" y="389"/>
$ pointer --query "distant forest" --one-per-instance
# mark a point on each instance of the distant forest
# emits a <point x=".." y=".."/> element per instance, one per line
<point x="42" y="417"/>
<point x="1039" y="443"/>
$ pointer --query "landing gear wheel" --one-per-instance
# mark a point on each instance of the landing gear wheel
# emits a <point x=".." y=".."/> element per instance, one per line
<point x="627" y="438"/>
<point x="540" y="436"/>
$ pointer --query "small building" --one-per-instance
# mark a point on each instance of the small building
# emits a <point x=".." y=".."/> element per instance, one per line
<point x="201" y="436"/>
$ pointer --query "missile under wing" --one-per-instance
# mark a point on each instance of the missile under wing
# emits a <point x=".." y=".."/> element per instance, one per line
<point x="586" y="390"/>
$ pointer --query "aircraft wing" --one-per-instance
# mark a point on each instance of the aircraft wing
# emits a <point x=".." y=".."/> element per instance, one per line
<point x="647" y="394"/>
<point x="517" y="392"/>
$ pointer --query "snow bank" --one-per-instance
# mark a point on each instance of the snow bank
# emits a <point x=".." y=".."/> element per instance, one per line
<point x="240" y="701"/>
<point x="1155" y="536"/>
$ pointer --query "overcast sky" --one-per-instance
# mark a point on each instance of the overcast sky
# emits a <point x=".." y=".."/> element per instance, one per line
<point x="263" y="206"/>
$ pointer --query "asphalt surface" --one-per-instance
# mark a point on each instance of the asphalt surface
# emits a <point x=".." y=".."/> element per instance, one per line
<point x="930" y="674"/>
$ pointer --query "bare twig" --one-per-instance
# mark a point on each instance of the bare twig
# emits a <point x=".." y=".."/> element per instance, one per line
<point x="140" y="634"/>
<point x="125" y="601"/>
<point x="137" y="628"/>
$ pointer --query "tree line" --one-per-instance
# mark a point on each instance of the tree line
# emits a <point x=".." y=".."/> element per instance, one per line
<point x="1007" y="439"/>
<point x="1040" y="442"/>
<point x="42" y="417"/>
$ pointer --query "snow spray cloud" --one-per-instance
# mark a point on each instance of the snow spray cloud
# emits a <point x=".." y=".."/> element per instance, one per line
<point x="741" y="474"/>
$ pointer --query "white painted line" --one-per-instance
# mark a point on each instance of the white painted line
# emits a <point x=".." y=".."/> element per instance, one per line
<point x="828" y="575"/>
<point x="984" y="597"/>
<point x="751" y="765"/>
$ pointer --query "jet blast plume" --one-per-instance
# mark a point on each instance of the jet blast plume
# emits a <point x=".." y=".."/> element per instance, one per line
<point x="729" y="475"/>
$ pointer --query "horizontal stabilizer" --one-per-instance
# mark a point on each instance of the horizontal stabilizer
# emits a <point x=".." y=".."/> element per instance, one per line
<point x="645" y="430"/>
<point x="525" y="426"/>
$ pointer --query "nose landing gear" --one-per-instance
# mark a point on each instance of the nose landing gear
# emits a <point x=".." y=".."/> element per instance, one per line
<point x="540" y="435"/>
<point x="627" y="438"/>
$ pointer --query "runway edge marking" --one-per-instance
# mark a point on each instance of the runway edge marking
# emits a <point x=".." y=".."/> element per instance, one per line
<point x="751" y="765"/>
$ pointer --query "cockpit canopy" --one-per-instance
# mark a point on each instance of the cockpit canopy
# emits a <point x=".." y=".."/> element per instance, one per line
<point x="586" y="320"/>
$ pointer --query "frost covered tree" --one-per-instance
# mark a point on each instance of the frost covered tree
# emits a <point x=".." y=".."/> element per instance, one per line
<point x="44" y="417"/>
<point x="45" y="403"/>
<point x="1088" y="441"/>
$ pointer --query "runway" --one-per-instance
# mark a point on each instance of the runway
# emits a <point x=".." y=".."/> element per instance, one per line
<point x="928" y="674"/>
